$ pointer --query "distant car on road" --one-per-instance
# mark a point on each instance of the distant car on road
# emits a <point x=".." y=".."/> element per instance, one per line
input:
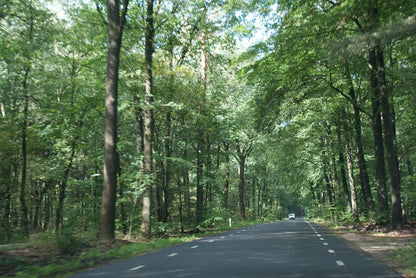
<point x="292" y="216"/>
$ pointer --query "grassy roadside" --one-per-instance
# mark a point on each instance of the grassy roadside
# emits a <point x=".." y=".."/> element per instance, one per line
<point x="49" y="255"/>
<point x="397" y="249"/>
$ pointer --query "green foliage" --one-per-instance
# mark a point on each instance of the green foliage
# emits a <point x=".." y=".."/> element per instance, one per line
<point x="405" y="257"/>
<point x="68" y="242"/>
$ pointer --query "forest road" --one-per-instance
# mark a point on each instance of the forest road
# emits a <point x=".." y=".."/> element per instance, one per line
<point x="295" y="248"/>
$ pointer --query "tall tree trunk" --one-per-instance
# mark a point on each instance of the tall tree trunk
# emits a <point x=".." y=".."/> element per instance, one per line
<point x="200" y="144"/>
<point x="389" y="141"/>
<point x="148" y="122"/>
<point x="25" y="214"/>
<point x="186" y="184"/>
<point x="241" y="185"/>
<point x="108" y="204"/>
<point x="380" y="174"/>
<point x="332" y="155"/>
<point x="6" y="187"/>
<point x="199" y="184"/>
<point x="329" y="189"/>
<point x="61" y="193"/>
<point x="208" y="182"/>
<point x="362" y="165"/>
<point x="242" y="154"/>
<point x="341" y="162"/>
<point x="350" y="167"/>
<point x="227" y="175"/>
<point x="166" y="166"/>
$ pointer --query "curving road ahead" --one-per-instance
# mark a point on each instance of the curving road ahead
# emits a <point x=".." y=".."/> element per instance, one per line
<point x="282" y="249"/>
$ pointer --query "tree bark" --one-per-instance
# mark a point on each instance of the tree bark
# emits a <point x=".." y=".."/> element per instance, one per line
<point x="199" y="184"/>
<point x="341" y="162"/>
<point x="241" y="186"/>
<point x="380" y="174"/>
<point x="242" y="154"/>
<point x="115" y="31"/>
<point x="166" y="166"/>
<point x="227" y="175"/>
<point x="362" y="165"/>
<point x="350" y="169"/>
<point x="22" y="197"/>
<point x="62" y="187"/>
<point x="389" y="141"/>
<point x="148" y="122"/>
<point x="354" y="207"/>
<point x="186" y="184"/>
<point x="200" y="144"/>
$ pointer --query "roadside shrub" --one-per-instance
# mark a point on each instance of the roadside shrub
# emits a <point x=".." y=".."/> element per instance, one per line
<point x="68" y="243"/>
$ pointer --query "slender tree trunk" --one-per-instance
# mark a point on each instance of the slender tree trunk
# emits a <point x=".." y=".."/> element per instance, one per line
<point x="37" y="214"/>
<point x="362" y="165"/>
<point x="148" y="122"/>
<point x="167" y="138"/>
<point x="186" y="184"/>
<point x="227" y="175"/>
<point x="332" y="155"/>
<point x="208" y="182"/>
<point x="166" y="166"/>
<point x="6" y="186"/>
<point x="61" y="194"/>
<point x="341" y="162"/>
<point x="389" y="141"/>
<point x="200" y="144"/>
<point x="108" y="204"/>
<point x="354" y="207"/>
<point x="380" y="174"/>
<point x="311" y="187"/>
<point x="199" y="184"/>
<point x="47" y="207"/>
<point x="242" y="154"/>
<point x="25" y="214"/>
<point x="241" y="185"/>
<point x="329" y="189"/>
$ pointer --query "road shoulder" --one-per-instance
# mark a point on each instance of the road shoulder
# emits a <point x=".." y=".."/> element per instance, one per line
<point x="396" y="249"/>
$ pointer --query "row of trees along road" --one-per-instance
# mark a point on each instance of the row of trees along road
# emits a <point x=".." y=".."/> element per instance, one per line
<point x="126" y="117"/>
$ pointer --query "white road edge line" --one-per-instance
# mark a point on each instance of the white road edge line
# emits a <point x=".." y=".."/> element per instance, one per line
<point x="136" y="268"/>
<point x="340" y="263"/>
<point x="173" y="254"/>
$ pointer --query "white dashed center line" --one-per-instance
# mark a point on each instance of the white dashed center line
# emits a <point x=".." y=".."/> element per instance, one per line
<point x="340" y="263"/>
<point x="173" y="254"/>
<point x="331" y="251"/>
<point x="195" y="246"/>
<point x="322" y="238"/>
<point x="136" y="268"/>
<point x="325" y="243"/>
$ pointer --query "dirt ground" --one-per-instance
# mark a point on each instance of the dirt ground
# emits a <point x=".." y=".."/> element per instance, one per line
<point x="381" y="243"/>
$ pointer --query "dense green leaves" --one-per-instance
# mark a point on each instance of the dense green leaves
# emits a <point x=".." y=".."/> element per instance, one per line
<point x="296" y="108"/>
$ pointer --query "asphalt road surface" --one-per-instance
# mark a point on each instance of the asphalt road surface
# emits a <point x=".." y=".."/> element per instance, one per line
<point x="294" y="248"/>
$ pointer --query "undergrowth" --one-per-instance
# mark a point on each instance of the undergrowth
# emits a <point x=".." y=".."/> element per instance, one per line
<point x="406" y="257"/>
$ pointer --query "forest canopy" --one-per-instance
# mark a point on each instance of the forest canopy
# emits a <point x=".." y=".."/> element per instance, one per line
<point x="123" y="117"/>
